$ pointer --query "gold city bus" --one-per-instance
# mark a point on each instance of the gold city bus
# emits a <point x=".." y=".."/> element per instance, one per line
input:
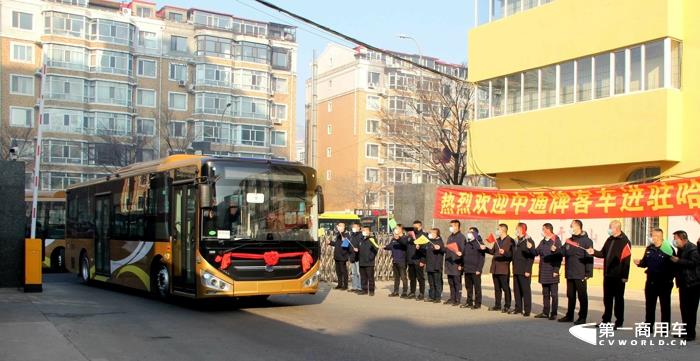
<point x="198" y="226"/>
<point x="50" y="226"/>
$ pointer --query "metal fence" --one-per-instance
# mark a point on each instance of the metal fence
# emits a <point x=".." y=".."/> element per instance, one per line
<point x="382" y="264"/>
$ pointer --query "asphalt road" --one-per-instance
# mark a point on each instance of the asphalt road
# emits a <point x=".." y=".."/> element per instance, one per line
<point x="70" y="321"/>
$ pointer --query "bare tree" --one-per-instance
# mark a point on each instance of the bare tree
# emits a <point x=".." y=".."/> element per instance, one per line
<point x="429" y="123"/>
<point x="20" y="138"/>
<point x="116" y="151"/>
<point x="176" y="136"/>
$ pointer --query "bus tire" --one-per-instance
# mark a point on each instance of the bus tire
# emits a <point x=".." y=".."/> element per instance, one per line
<point x="160" y="280"/>
<point x="84" y="270"/>
<point x="58" y="260"/>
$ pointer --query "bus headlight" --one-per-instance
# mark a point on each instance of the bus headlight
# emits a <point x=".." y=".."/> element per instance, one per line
<point x="313" y="280"/>
<point x="213" y="282"/>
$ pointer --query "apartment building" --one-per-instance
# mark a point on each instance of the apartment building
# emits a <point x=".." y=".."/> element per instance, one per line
<point x="587" y="93"/>
<point x="132" y="81"/>
<point x="357" y="163"/>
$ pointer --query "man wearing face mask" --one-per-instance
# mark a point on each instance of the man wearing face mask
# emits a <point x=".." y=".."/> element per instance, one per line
<point x="502" y="252"/>
<point x="687" y="280"/>
<point x="340" y="256"/>
<point x="367" y="248"/>
<point x="473" y="263"/>
<point x="579" y="268"/>
<point x="435" y="260"/>
<point x="616" y="253"/>
<point x="453" y="262"/>
<point x="524" y="253"/>
<point x="415" y="259"/>
<point x="659" y="270"/>
<point x="397" y="246"/>
<point x="355" y="237"/>
<point x="549" y="251"/>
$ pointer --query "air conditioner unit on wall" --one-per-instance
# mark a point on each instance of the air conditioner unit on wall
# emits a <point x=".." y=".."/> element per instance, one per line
<point x="371" y="86"/>
<point x="181" y="83"/>
<point x="126" y="11"/>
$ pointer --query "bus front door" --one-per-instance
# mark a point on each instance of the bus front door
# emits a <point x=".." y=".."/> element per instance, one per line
<point x="183" y="247"/>
<point x="103" y="220"/>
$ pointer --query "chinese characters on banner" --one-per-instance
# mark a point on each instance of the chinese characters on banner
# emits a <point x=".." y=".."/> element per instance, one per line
<point x="670" y="198"/>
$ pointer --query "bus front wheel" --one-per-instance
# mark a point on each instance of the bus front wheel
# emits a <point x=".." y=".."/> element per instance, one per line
<point x="160" y="283"/>
<point x="84" y="269"/>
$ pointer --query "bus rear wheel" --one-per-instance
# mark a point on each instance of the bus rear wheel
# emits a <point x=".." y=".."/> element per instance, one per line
<point x="84" y="269"/>
<point x="160" y="281"/>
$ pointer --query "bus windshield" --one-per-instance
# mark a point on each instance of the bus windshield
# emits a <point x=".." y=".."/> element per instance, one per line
<point x="260" y="202"/>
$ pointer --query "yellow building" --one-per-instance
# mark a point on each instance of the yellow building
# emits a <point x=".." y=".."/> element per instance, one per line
<point x="582" y="93"/>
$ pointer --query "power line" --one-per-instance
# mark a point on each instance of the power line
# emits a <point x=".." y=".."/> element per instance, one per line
<point x="356" y="41"/>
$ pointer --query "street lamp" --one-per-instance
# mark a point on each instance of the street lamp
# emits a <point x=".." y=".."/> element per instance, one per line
<point x="419" y="111"/>
<point x="233" y="142"/>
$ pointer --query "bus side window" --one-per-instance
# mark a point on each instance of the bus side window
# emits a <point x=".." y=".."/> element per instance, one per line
<point x="158" y="207"/>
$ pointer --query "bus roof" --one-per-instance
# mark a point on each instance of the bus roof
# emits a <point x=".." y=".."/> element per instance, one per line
<point x="177" y="161"/>
<point x="339" y="215"/>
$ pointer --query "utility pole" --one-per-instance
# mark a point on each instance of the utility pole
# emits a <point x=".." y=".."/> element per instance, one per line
<point x="37" y="153"/>
<point x="314" y="112"/>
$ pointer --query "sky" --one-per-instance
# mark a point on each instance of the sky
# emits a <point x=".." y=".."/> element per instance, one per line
<point x="439" y="26"/>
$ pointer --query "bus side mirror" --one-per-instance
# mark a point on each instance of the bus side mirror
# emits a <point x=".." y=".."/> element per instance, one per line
<point x="319" y="199"/>
<point x="205" y="195"/>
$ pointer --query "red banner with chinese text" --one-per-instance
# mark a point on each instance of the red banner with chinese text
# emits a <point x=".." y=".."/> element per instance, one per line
<point x="669" y="198"/>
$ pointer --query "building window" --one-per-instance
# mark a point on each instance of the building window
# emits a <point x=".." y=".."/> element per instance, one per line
<point x="583" y="79"/>
<point x="329" y="106"/>
<point x="566" y="83"/>
<point x="177" y="101"/>
<point x="602" y="76"/>
<point x="147" y="68"/>
<point x="530" y="97"/>
<point x="146" y="98"/>
<point x="619" y="75"/>
<point x="372" y="175"/>
<point x="178" y="72"/>
<point x="279" y="111"/>
<point x="280" y="85"/>
<point x="372" y="150"/>
<point x="329" y="129"/>
<point x="177" y="129"/>
<point x="178" y="43"/>
<point x="279" y="138"/>
<point x="373" y="103"/>
<point x="328" y="174"/>
<point x="280" y="59"/>
<point x="177" y="17"/>
<point x="329" y="152"/>
<point x="145" y="126"/>
<point x="111" y="62"/>
<point x="22" y="20"/>
<point x="635" y="69"/>
<point x="144" y="12"/>
<point x="372" y="126"/>
<point x="148" y="39"/>
<point x="549" y="86"/>
<point x="675" y="64"/>
<point x="21" y="117"/>
<point x="654" y="65"/>
<point x="21" y="85"/>
<point x="498" y="91"/>
<point x="514" y="93"/>
<point x="22" y="52"/>
<point x="373" y="79"/>
<point x="640" y="228"/>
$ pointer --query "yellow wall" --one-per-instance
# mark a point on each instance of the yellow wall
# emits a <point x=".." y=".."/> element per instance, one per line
<point x="567" y="29"/>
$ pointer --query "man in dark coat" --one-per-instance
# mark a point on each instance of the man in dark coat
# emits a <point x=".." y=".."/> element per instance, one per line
<point x="687" y="281"/>
<point x="659" y="284"/>
<point x="434" y="260"/>
<point x="453" y="262"/>
<point x="341" y="255"/>
<point x="367" y="252"/>
<point x="473" y="264"/>
<point x="616" y="253"/>
<point x="397" y="246"/>
<point x="414" y="254"/>
<point x="579" y="267"/>
<point x="549" y="251"/>
<point x="524" y="253"/>
<point x="502" y="252"/>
